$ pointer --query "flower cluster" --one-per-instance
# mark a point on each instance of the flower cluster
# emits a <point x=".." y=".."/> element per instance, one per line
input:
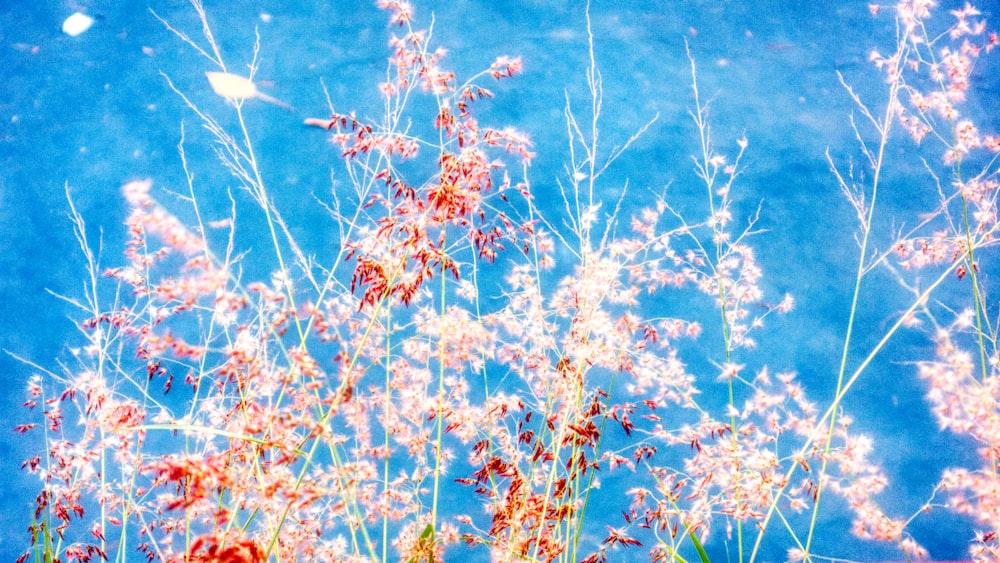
<point x="473" y="366"/>
<point x="934" y="69"/>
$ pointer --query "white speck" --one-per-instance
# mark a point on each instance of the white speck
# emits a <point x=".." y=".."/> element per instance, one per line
<point x="77" y="24"/>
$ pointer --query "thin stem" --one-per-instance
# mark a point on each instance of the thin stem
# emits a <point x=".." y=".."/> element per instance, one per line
<point x="884" y="128"/>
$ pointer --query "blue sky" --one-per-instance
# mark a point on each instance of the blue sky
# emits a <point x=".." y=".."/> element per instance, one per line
<point x="92" y="112"/>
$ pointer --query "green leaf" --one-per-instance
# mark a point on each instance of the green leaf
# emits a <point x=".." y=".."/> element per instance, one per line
<point x="699" y="548"/>
<point x="428" y="533"/>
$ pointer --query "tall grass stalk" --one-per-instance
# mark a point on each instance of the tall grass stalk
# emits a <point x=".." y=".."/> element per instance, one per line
<point x="468" y="364"/>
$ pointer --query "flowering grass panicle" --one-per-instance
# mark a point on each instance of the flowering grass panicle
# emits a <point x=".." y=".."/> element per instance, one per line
<point x="471" y="369"/>
<point x="934" y="70"/>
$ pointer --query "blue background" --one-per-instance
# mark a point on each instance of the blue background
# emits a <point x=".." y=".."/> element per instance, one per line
<point x="93" y="112"/>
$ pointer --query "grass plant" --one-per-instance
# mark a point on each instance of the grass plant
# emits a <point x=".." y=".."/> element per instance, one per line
<point x="468" y="362"/>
